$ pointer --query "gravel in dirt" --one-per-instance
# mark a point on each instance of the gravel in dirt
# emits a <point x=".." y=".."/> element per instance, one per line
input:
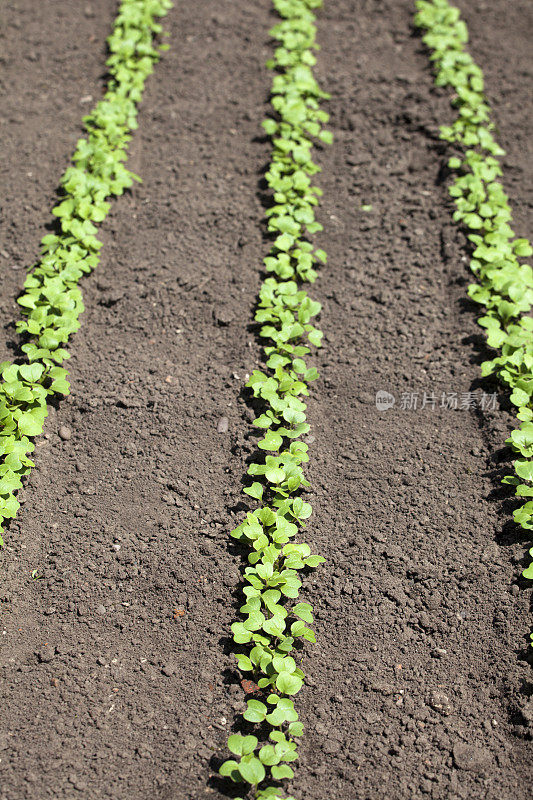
<point x="118" y="578"/>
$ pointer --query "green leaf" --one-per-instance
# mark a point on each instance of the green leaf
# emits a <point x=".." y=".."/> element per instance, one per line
<point x="303" y="611"/>
<point x="275" y="475"/>
<point x="9" y="507"/>
<point x="9" y="482"/>
<point x="522" y="248"/>
<point x="315" y="337"/>
<point x="524" y="515"/>
<point x="298" y="628"/>
<point x="49" y="341"/>
<point x="242" y="745"/>
<point x="270" y="126"/>
<point x="255" y="712"/>
<point x="275" y="626"/>
<point x="519" y="397"/>
<point x="252" y="771"/>
<point x="287" y="683"/>
<point x="296" y="729"/>
<point x="60" y="386"/>
<point x="284" y="711"/>
<point x="528" y="572"/>
<point x="524" y="469"/>
<point x="293" y="417"/>
<point x="284" y="242"/>
<point x="255" y="490"/>
<point x="522" y="439"/>
<point x="314" y="561"/>
<point x="282" y="771"/>
<point x="31" y="372"/>
<point x="268" y="755"/>
<point x="265" y="571"/>
<point x="454" y="163"/>
<point x="243" y="662"/>
<point x="30" y="425"/>
<point x="271" y="441"/>
<point x="230" y="769"/>
<point x="473" y="221"/>
<point x="240" y="634"/>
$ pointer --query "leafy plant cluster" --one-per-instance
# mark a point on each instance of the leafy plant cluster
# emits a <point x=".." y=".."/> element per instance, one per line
<point x="273" y="625"/>
<point x="51" y="301"/>
<point x="505" y="284"/>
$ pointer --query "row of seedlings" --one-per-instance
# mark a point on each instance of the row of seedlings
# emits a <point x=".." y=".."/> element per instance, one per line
<point x="51" y="301"/>
<point x="274" y="623"/>
<point x="504" y="284"/>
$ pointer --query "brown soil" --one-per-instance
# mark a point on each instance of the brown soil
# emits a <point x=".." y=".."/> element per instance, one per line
<point x="419" y="685"/>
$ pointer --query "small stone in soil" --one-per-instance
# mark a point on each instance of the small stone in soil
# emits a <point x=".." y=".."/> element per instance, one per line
<point x="424" y="620"/>
<point x="223" y="425"/>
<point x="471" y="758"/>
<point x="65" y="433"/>
<point x="46" y="654"/>
<point x="77" y="782"/>
<point x="440" y="702"/>
<point x="223" y="316"/>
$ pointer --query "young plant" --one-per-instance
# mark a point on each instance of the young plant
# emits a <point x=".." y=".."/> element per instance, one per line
<point x="504" y="283"/>
<point x="273" y="621"/>
<point x="51" y="301"/>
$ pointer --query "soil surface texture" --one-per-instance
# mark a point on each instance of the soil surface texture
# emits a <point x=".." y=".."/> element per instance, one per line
<point x="116" y="679"/>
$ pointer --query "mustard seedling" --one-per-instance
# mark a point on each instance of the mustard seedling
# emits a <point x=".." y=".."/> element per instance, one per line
<point x="51" y="301"/>
<point x="504" y="283"/>
<point x="273" y="620"/>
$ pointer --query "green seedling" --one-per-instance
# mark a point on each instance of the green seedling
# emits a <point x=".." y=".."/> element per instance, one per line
<point x="272" y="619"/>
<point x="51" y="302"/>
<point x="504" y="285"/>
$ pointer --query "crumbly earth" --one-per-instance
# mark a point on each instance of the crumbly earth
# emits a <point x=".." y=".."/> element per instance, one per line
<point x="117" y="680"/>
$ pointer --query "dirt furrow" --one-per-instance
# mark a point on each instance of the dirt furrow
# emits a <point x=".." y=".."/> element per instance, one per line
<point x="420" y="677"/>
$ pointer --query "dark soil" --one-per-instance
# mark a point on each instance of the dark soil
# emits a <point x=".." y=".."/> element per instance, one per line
<point x="419" y="685"/>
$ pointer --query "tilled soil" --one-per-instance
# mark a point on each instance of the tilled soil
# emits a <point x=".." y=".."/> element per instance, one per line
<point x="117" y="680"/>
